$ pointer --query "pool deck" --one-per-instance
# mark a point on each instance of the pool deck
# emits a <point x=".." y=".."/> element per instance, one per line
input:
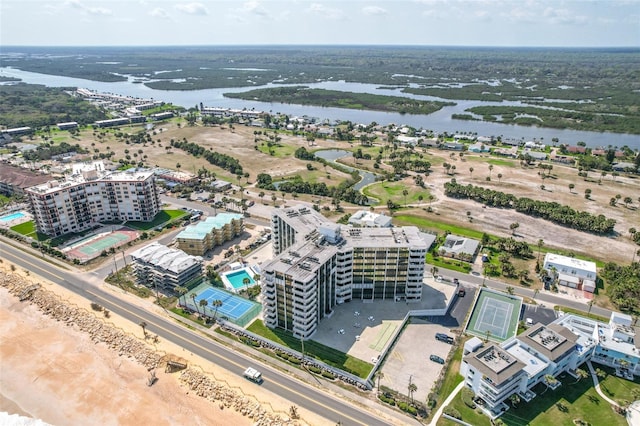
<point x="15" y="221"/>
<point x="229" y="285"/>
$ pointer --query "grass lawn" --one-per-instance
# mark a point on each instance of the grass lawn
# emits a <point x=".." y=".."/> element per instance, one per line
<point x="559" y="407"/>
<point x="494" y="161"/>
<point x="424" y="223"/>
<point x="313" y="349"/>
<point x="616" y="388"/>
<point x="28" y="229"/>
<point x="161" y="218"/>
<point x="385" y="191"/>
<point x="279" y="150"/>
<point x="448" y="263"/>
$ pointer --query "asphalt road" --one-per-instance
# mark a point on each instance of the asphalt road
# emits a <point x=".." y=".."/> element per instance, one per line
<point x="296" y="392"/>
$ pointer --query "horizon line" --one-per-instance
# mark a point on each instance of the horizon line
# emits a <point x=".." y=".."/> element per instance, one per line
<point x="3" y="46"/>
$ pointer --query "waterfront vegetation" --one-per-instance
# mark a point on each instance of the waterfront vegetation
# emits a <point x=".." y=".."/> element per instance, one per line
<point x="337" y="99"/>
<point x="32" y="105"/>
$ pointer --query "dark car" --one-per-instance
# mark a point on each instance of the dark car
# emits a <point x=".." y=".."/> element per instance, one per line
<point x="436" y="358"/>
<point x="444" y="338"/>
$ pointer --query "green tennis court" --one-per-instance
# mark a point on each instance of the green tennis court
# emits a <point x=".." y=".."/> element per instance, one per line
<point x="495" y="315"/>
<point x="103" y="243"/>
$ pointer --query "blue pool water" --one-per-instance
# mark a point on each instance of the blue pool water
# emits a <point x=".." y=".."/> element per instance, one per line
<point x="236" y="279"/>
<point x="12" y="216"/>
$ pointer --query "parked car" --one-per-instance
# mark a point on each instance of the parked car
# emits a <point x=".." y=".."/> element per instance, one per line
<point x="444" y="338"/>
<point x="436" y="358"/>
<point x="462" y="292"/>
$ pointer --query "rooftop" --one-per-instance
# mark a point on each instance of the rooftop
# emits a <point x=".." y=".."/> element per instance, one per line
<point x="495" y="363"/>
<point x="551" y="341"/>
<point x="571" y="262"/>
<point x="169" y="259"/>
<point x="200" y="230"/>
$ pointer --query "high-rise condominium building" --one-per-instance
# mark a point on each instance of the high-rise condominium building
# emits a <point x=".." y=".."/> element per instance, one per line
<point x="319" y="265"/>
<point x="91" y="195"/>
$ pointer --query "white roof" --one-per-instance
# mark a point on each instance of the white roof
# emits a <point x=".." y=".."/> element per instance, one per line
<point x="169" y="259"/>
<point x="570" y="262"/>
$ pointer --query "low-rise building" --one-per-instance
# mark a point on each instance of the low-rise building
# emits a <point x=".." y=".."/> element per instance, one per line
<point x="213" y="231"/>
<point x="459" y="247"/>
<point x="494" y="373"/>
<point x="161" y="267"/>
<point x="14" y="179"/>
<point x="571" y="272"/>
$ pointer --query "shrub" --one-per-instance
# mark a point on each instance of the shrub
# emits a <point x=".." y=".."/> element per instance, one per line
<point x="294" y="360"/>
<point x="387" y="399"/>
<point x="467" y="397"/>
<point x="328" y="375"/>
<point x="450" y="411"/>
<point x="315" y="369"/>
<point x="407" y="408"/>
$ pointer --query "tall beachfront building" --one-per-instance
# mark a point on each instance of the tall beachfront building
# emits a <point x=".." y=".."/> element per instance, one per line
<point x="318" y="264"/>
<point x="91" y="195"/>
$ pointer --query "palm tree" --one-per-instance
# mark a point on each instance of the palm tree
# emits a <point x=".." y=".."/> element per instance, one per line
<point x="513" y="227"/>
<point x="591" y="302"/>
<point x="181" y="291"/>
<point x="471" y="171"/>
<point x="515" y="400"/>
<point x="405" y="193"/>
<point x="412" y="388"/>
<point x="510" y="290"/>
<point x="549" y="380"/>
<point x="499" y="176"/>
<point x="490" y="169"/>
<point x="540" y="244"/>
<point x="203" y="303"/>
<point x="216" y="303"/>
<point x="535" y="293"/>
<point x="379" y="376"/>
<point x="582" y="374"/>
<point x="246" y="281"/>
<point x="193" y="297"/>
<point x="571" y="186"/>
<point x="144" y="328"/>
<point x="261" y="195"/>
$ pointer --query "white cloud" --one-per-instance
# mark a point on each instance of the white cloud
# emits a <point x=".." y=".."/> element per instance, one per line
<point x="374" y="10"/>
<point x="193" y="8"/>
<point x="563" y="16"/>
<point x="326" y="12"/>
<point x="159" y="12"/>
<point x="254" y="7"/>
<point x="76" y="4"/>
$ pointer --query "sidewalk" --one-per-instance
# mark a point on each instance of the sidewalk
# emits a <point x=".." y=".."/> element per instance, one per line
<point x="446" y="402"/>
<point x="596" y="384"/>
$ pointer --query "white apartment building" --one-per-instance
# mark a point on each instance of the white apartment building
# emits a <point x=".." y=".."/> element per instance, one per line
<point x="496" y="372"/>
<point x="91" y="195"/>
<point x="572" y="272"/>
<point x="319" y="265"/>
<point x="165" y="268"/>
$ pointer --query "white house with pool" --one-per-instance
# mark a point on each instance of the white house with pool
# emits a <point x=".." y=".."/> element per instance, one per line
<point x="239" y="277"/>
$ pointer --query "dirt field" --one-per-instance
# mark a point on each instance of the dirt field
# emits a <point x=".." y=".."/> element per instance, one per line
<point x="80" y="382"/>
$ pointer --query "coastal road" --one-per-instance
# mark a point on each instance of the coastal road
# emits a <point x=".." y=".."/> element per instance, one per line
<point x="298" y="393"/>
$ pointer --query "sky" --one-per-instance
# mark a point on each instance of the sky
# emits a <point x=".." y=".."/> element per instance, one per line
<point x="545" y="23"/>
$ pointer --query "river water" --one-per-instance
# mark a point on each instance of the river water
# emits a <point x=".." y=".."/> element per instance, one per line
<point x="439" y="121"/>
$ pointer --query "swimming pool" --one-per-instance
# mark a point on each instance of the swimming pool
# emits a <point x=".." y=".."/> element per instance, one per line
<point x="12" y="216"/>
<point x="236" y="279"/>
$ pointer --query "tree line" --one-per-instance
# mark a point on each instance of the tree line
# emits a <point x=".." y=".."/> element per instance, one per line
<point x="623" y="286"/>
<point x="46" y="151"/>
<point x="296" y="185"/>
<point x="223" y="161"/>
<point x="549" y="210"/>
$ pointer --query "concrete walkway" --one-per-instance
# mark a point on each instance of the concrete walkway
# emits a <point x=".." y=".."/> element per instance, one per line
<point x="446" y="402"/>
<point x="596" y="384"/>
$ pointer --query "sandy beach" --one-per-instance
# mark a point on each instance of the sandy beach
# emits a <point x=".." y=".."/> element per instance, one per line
<point x="52" y="371"/>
